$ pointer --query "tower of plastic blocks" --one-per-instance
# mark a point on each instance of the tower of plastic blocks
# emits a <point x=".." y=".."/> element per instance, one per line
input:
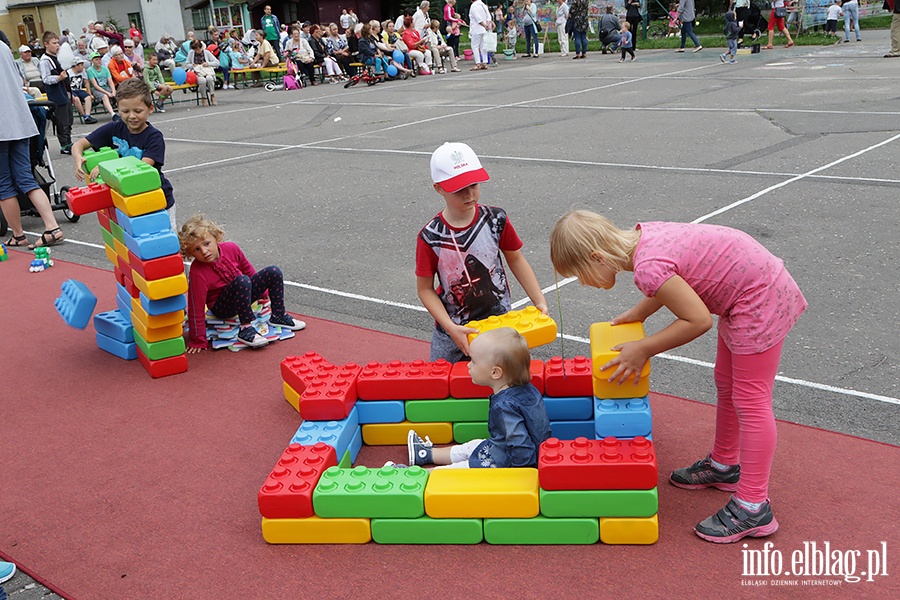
<point x="145" y="253"/>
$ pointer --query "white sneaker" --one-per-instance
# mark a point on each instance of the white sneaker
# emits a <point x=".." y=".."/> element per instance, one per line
<point x="697" y="49"/>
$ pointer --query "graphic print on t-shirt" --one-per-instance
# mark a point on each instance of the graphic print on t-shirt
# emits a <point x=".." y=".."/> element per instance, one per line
<point x="473" y="281"/>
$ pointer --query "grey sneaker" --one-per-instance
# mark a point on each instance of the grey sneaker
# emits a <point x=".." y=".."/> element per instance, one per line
<point x="391" y="463"/>
<point x="702" y="474"/>
<point x="250" y="336"/>
<point x="419" y="449"/>
<point x="734" y="523"/>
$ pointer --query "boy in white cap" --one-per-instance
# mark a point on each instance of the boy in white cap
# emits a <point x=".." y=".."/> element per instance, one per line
<point x="462" y="246"/>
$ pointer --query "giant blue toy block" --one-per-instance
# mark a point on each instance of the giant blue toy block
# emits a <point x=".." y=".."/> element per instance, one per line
<point x="129" y="176"/>
<point x="569" y="430"/>
<point x="123" y="301"/>
<point x="381" y="411"/>
<point x="369" y="493"/>
<point x="624" y="418"/>
<point x="153" y="245"/>
<point x="113" y="324"/>
<point x="570" y="409"/>
<point x="164" y="306"/>
<point x="127" y="351"/>
<point x="356" y="445"/>
<point x="154" y="222"/>
<point x="337" y="434"/>
<point x="76" y="304"/>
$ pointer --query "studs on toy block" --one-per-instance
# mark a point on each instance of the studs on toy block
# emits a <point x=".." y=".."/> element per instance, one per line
<point x="76" y="304"/>
<point x="607" y="464"/>
<point x="396" y="380"/>
<point x="287" y="491"/>
<point x="130" y="176"/>
<point x="91" y="198"/>
<point x="567" y="378"/>
<point x="623" y="418"/>
<point x="536" y="327"/>
<point x="298" y="371"/>
<point x="331" y="394"/>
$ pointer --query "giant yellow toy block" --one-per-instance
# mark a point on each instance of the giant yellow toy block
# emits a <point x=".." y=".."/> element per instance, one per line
<point x="121" y="250"/>
<point x="316" y="530"/>
<point x="604" y="336"/>
<point x="155" y="321"/>
<point x="629" y="530"/>
<point x="139" y="204"/>
<point x="537" y="328"/>
<point x="482" y="494"/>
<point x="395" y="434"/>
<point x="159" y="289"/>
<point x="291" y="396"/>
<point x="111" y="255"/>
<point x="157" y="334"/>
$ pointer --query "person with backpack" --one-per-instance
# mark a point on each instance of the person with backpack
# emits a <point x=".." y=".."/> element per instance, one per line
<point x="609" y="27"/>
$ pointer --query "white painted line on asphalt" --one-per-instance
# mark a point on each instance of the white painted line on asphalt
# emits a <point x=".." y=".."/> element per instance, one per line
<point x="801" y="382"/>
<point x="353" y="296"/>
<point x="795" y="178"/>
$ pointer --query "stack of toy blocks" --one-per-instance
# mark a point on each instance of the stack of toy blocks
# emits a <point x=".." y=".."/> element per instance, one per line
<point x="145" y="254"/>
<point x="584" y="490"/>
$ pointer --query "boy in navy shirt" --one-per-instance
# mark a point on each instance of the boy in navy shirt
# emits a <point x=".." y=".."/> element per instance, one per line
<point x="131" y="135"/>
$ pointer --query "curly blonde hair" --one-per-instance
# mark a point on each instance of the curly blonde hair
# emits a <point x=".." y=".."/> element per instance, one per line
<point x="194" y="229"/>
<point x="580" y="233"/>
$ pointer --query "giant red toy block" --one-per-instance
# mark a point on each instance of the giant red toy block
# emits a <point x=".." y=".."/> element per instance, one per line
<point x="462" y="386"/>
<point x="331" y="394"/>
<point x="607" y="464"/>
<point x="396" y="380"/>
<point x="157" y="268"/>
<point x="164" y="367"/>
<point x="88" y="199"/>
<point x="298" y="371"/>
<point x="569" y="379"/>
<point x="103" y="218"/>
<point x="287" y="492"/>
<point x="128" y="282"/>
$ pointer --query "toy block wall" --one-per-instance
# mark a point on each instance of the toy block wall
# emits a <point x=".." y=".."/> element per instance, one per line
<point x="145" y="254"/>
<point x="596" y="478"/>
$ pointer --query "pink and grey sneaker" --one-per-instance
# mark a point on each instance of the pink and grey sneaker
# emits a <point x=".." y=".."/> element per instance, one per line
<point x="734" y="522"/>
<point x="702" y="474"/>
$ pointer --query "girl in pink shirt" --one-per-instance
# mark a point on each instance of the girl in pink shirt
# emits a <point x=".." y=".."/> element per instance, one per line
<point x="222" y="279"/>
<point x="696" y="271"/>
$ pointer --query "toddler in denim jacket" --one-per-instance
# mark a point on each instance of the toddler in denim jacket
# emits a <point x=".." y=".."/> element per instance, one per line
<point x="517" y="418"/>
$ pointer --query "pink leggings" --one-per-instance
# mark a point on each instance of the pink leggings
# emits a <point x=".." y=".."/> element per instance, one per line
<point x="745" y="422"/>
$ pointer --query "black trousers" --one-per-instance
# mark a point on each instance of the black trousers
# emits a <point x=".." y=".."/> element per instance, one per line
<point x="63" y="116"/>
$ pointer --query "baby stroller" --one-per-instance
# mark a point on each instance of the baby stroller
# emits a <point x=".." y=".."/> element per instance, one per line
<point x="42" y="168"/>
<point x="754" y="23"/>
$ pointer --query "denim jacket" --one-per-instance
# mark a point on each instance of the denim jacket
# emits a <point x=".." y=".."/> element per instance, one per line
<point x="518" y="424"/>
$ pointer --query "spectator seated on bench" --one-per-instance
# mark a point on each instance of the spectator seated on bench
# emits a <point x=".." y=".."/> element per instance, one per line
<point x="327" y="63"/>
<point x="81" y="99"/>
<point x="337" y="48"/>
<point x="100" y="83"/>
<point x="265" y="57"/>
<point x="298" y="50"/>
<point x="154" y="78"/>
<point x="204" y="64"/>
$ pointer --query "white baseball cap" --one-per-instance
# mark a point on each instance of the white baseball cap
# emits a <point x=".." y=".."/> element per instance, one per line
<point x="24" y="49"/>
<point x="455" y="166"/>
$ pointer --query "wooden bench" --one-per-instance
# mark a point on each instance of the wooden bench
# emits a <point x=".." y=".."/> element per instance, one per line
<point x="185" y="88"/>
<point x="271" y="73"/>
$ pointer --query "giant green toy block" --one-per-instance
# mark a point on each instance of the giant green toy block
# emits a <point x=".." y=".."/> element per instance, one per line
<point x="464" y="432"/>
<point x="541" y="530"/>
<point x="129" y="176"/>
<point x="160" y="350"/>
<point x="599" y="503"/>
<point x="451" y="409"/>
<point x="92" y="157"/>
<point x="117" y="231"/>
<point x="107" y="236"/>
<point x="426" y="530"/>
<point x="371" y="493"/>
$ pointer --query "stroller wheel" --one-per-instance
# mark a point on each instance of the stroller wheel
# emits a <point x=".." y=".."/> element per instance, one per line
<point x="351" y="82"/>
<point x="270" y="87"/>
<point x="63" y="194"/>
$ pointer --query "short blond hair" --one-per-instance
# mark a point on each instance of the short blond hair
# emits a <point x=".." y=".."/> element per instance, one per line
<point x="580" y="233"/>
<point x="508" y="350"/>
<point x="194" y="229"/>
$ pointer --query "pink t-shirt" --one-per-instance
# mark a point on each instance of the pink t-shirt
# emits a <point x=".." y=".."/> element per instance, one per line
<point x="756" y="299"/>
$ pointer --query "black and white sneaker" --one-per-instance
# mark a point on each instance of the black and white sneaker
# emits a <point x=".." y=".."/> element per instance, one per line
<point x="286" y="321"/>
<point x="250" y="336"/>
<point x="419" y="449"/>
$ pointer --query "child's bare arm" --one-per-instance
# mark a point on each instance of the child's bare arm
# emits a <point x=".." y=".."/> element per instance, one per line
<point x="78" y="149"/>
<point x="432" y="303"/>
<point x="524" y="274"/>
<point x="639" y="313"/>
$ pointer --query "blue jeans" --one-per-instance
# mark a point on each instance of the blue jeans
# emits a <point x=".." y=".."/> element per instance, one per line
<point x="15" y="169"/>
<point x="380" y="64"/>
<point x="531" y="33"/>
<point x="687" y="31"/>
<point x="581" y="42"/>
<point x="851" y="13"/>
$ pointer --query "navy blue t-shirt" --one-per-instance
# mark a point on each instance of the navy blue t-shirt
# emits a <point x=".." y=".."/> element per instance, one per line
<point x="147" y="144"/>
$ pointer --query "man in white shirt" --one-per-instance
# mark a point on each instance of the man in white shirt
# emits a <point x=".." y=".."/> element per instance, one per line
<point x="480" y="22"/>
<point x="345" y="20"/>
<point x="562" y="15"/>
